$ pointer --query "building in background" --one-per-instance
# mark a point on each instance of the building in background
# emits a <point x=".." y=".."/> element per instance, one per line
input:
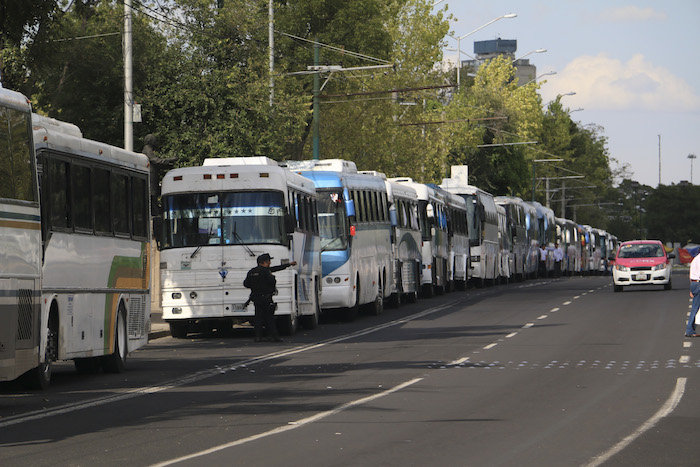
<point x="486" y="50"/>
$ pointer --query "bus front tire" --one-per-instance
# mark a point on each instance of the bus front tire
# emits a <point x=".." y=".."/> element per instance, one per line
<point x="178" y="330"/>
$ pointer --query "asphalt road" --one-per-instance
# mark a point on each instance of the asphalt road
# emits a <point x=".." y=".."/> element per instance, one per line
<point x="545" y="372"/>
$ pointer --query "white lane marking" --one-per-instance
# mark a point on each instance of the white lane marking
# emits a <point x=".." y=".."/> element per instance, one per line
<point x="684" y="359"/>
<point x="491" y="346"/>
<point x="577" y="297"/>
<point x="566" y="303"/>
<point x="459" y="361"/>
<point x="687" y="345"/>
<point x="666" y="409"/>
<point x="515" y="333"/>
<point x="291" y="425"/>
<point x="528" y="325"/>
<point x="554" y="309"/>
<point x="542" y="317"/>
<point x="208" y="373"/>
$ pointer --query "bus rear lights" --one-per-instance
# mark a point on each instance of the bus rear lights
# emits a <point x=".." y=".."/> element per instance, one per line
<point x="177" y="295"/>
<point x="264" y="175"/>
<point x="177" y="178"/>
<point x="220" y="176"/>
<point x="193" y="295"/>
<point x="207" y="176"/>
<point x="177" y="311"/>
<point x="233" y="176"/>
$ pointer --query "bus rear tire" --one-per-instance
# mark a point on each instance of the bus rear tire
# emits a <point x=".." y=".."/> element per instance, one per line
<point x="116" y="362"/>
<point x="39" y="378"/>
<point x="376" y="308"/>
<point x="178" y="330"/>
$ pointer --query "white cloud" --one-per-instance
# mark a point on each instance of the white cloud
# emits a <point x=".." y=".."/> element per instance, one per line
<point x="605" y="83"/>
<point x="631" y="13"/>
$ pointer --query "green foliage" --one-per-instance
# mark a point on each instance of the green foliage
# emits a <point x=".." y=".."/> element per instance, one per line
<point x="202" y="79"/>
<point x="672" y="214"/>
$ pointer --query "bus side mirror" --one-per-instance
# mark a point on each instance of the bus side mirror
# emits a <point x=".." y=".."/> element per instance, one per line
<point x="350" y="207"/>
<point x="392" y="218"/>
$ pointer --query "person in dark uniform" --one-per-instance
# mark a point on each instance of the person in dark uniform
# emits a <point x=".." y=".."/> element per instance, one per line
<point x="261" y="283"/>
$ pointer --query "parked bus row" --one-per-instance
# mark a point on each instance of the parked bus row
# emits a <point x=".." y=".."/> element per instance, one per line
<point x="75" y="233"/>
<point x="359" y="239"/>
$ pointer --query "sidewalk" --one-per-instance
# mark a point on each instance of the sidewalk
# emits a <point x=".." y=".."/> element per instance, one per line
<point x="159" y="328"/>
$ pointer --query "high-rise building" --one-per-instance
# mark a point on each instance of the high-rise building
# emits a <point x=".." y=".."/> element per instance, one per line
<point x="486" y="50"/>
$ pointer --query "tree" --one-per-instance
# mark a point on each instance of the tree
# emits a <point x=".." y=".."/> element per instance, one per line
<point x="672" y="214"/>
<point x="495" y="111"/>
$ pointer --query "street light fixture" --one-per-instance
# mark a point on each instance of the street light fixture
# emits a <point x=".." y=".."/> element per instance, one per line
<point x="459" y="42"/>
<point x="572" y="93"/>
<point x="537" y="51"/>
<point x="576" y="110"/>
<point x="691" y="157"/>
<point x="549" y="73"/>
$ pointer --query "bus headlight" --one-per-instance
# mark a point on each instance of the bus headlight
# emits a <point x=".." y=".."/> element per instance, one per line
<point x="177" y="311"/>
<point x="329" y="280"/>
<point x="177" y="295"/>
<point x="193" y="295"/>
<point x="337" y="280"/>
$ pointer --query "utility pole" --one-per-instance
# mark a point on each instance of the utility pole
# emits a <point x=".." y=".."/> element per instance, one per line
<point x="659" y="160"/>
<point x="128" y="80"/>
<point x="271" y="40"/>
<point x="316" y="105"/>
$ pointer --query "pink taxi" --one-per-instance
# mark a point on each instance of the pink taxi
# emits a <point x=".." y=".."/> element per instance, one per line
<point x="641" y="262"/>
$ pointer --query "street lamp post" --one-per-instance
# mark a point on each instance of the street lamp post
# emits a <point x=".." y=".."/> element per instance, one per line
<point x="536" y="51"/>
<point x="691" y="157"/>
<point x="459" y="42"/>
<point x="538" y="77"/>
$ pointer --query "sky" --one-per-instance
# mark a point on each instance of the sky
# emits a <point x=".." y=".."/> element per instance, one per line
<point x="634" y="66"/>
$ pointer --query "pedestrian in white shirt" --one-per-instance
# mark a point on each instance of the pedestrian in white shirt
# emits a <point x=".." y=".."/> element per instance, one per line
<point x="695" y="294"/>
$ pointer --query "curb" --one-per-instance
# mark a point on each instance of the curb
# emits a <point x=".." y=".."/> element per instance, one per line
<point x="158" y="334"/>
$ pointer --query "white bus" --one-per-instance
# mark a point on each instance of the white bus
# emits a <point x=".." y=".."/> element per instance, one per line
<point x="516" y="227"/>
<point x="483" y="225"/>
<point x="432" y="216"/>
<point x="355" y="235"/>
<point x="405" y="243"/>
<point x="458" y="234"/>
<point x="20" y="246"/>
<point x="568" y="237"/>
<point x="505" y="241"/>
<point x="217" y="219"/>
<point x="96" y="231"/>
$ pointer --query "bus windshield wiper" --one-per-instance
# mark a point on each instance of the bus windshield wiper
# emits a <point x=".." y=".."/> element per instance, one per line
<point x="240" y="240"/>
<point x="196" y="251"/>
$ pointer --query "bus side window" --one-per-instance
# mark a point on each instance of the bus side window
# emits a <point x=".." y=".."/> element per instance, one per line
<point x="58" y="194"/>
<point x="120" y="206"/>
<point x="82" y="197"/>
<point x="140" y="204"/>
<point x="101" y="201"/>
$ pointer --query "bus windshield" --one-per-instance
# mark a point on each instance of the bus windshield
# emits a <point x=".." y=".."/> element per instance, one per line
<point x="332" y="220"/>
<point x="228" y="218"/>
<point x="473" y="219"/>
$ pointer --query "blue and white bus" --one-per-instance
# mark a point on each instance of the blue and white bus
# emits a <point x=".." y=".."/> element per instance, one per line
<point x="458" y="234"/>
<point x="217" y="219"/>
<point x="355" y="234"/>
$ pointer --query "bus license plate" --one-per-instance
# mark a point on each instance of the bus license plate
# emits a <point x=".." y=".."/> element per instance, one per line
<point x="238" y="307"/>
